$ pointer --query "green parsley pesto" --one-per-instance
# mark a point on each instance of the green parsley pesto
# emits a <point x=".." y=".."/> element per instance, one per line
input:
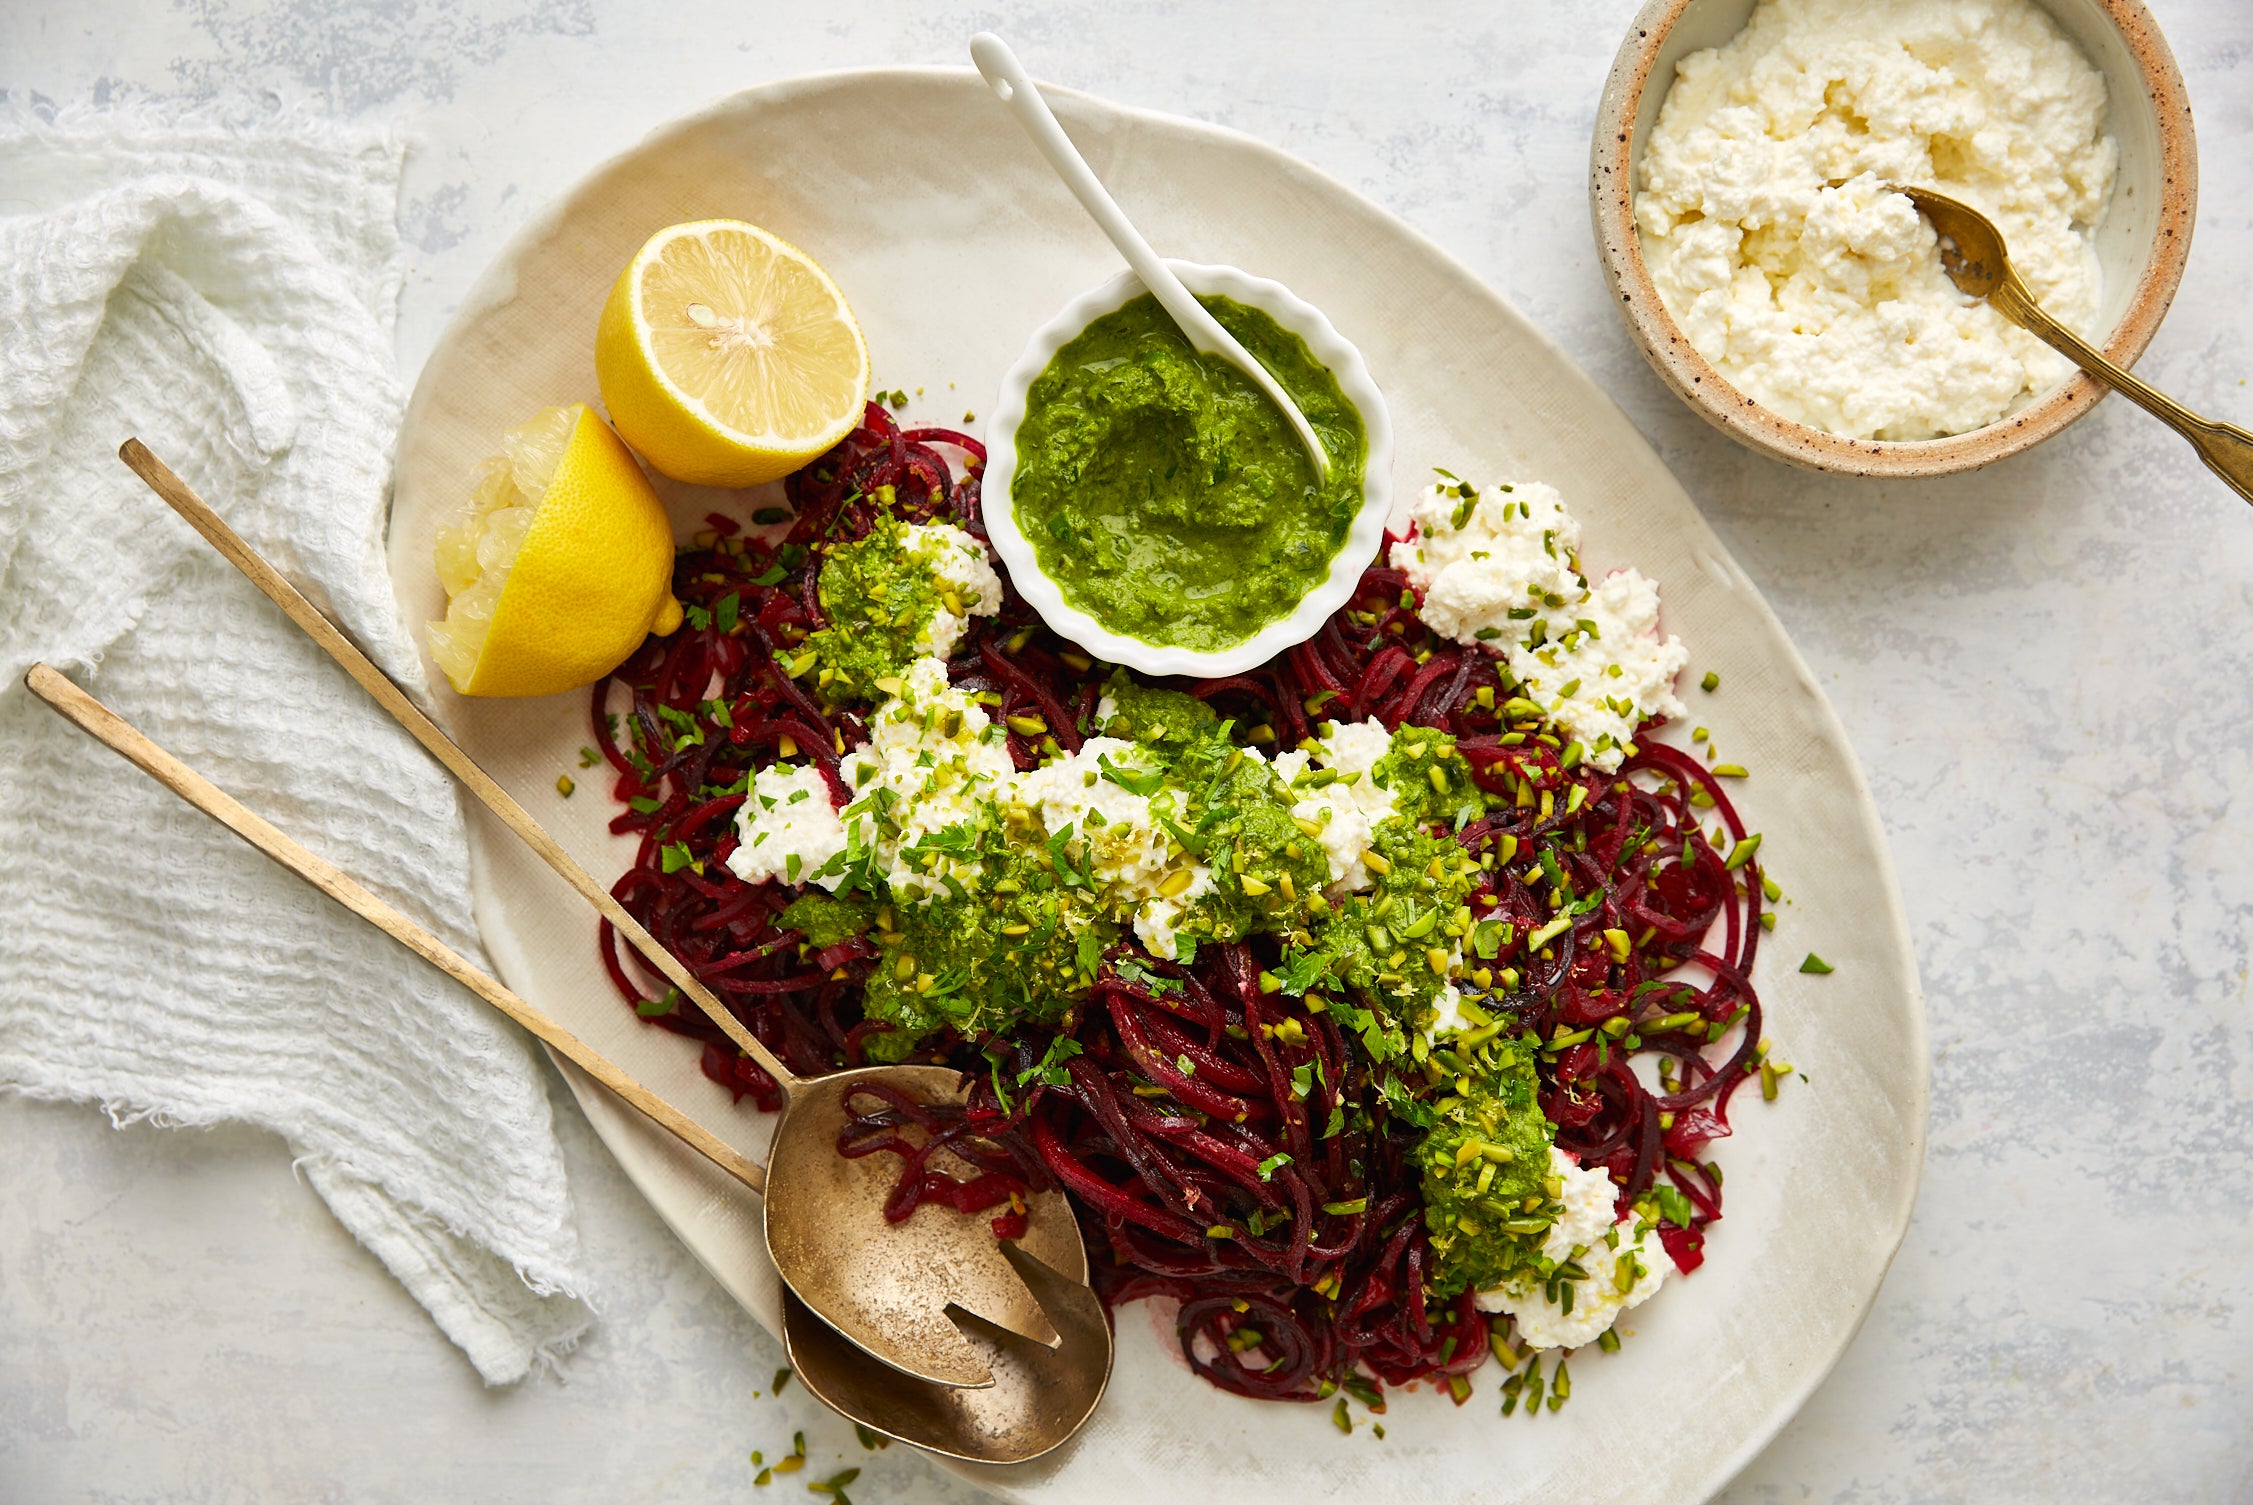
<point x="1430" y="785"/>
<point x="825" y="919"/>
<point x="1028" y="902"/>
<point x="879" y="598"/>
<point x="1165" y="495"/>
<point x="1399" y="941"/>
<point x="901" y="592"/>
<point x="1485" y="1161"/>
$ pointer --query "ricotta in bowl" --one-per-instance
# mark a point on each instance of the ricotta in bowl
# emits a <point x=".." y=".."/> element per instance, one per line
<point x="1775" y="246"/>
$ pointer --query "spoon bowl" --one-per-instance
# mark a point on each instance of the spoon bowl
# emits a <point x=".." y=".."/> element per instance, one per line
<point x="1971" y="247"/>
<point x="1041" y="1395"/>
<point x="895" y="1287"/>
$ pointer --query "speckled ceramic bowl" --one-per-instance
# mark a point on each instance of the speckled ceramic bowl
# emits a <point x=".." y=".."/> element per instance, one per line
<point x="1362" y="538"/>
<point x="2142" y="244"/>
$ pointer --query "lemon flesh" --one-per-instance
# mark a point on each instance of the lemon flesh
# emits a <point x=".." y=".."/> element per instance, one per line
<point x="727" y="356"/>
<point x="558" y="564"/>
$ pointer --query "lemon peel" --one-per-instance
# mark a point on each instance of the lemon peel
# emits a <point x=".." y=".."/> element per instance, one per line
<point x="557" y="565"/>
<point x="727" y="356"/>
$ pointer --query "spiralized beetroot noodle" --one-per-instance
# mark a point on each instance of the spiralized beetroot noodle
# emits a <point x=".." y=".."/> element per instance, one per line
<point x="1290" y="1284"/>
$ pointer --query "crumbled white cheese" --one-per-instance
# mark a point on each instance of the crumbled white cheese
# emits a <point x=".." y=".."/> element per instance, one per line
<point x="1475" y="558"/>
<point x="1157" y="918"/>
<point x="933" y="756"/>
<point x="1448" y="1017"/>
<point x="1349" y="807"/>
<point x="1588" y="1200"/>
<point x="1499" y="566"/>
<point x="788" y="828"/>
<point x="1354" y="748"/>
<point x="965" y="578"/>
<point x="1071" y="791"/>
<point x="1775" y="245"/>
<point x="1115" y="831"/>
<point x="1585" y="1233"/>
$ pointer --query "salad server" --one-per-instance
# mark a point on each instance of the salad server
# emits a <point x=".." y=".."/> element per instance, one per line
<point x="1042" y="1397"/>
<point x="885" y="1286"/>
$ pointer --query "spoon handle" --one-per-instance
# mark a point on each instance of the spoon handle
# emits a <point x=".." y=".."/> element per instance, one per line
<point x="127" y="741"/>
<point x="1015" y="88"/>
<point x="2226" y="448"/>
<point x="182" y="499"/>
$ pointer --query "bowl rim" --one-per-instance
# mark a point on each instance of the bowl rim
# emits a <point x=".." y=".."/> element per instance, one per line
<point x="1364" y="536"/>
<point x="1619" y="250"/>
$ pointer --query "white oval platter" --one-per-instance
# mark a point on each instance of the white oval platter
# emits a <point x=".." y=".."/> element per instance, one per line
<point x="953" y="242"/>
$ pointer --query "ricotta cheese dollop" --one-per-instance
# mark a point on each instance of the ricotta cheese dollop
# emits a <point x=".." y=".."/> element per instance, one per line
<point x="1127" y="850"/>
<point x="1585" y="1235"/>
<point x="1349" y="807"/>
<point x="1778" y="249"/>
<point x="968" y="586"/>
<point x="788" y="826"/>
<point x="1500" y="566"/>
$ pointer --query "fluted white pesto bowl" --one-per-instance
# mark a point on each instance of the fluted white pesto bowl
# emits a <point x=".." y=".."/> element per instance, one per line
<point x="1362" y="538"/>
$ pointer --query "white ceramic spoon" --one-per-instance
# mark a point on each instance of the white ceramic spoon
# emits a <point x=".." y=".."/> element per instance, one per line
<point x="1015" y="89"/>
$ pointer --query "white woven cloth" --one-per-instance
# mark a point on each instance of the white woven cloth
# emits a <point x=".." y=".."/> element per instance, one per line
<point x="222" y="285"/>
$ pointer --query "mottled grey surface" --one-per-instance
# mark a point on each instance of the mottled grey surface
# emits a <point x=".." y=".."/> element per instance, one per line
<point x="2045" y="668"/>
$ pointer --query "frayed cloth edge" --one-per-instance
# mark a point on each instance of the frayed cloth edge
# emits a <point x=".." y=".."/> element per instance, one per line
<point x="544" y="1357"/>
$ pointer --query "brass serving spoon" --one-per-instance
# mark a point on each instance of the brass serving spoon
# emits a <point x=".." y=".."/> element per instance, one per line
<point x="1039" y="1397"/>
<point x="888" y="1287"/>
<point x="1041" y="1394"/>
<point x="1975" y="259"/>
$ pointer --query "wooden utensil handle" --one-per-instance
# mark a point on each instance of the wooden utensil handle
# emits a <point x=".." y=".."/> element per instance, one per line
<point x="121" y="737"/>
<point x="182" y="499"/>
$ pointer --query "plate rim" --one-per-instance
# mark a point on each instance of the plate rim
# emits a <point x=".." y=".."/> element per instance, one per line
<point x="495" y="284"/>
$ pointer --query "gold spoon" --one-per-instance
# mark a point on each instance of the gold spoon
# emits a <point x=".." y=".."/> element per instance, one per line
<point x="886" y="1286"/>
<point x="1041" y="1396"/>
<point x="1973" y="255"/>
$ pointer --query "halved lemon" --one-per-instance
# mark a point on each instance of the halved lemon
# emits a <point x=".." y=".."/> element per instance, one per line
<point x="727" y="357"/>
<point x="557" y="566"/>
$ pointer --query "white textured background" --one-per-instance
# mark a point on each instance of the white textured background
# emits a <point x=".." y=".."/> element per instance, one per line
<point x="2047" y="667"/>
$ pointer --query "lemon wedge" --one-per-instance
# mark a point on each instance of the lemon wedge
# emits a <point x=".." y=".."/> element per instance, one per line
<point x="558" y="564"/>
<point x="727" y="357"/>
